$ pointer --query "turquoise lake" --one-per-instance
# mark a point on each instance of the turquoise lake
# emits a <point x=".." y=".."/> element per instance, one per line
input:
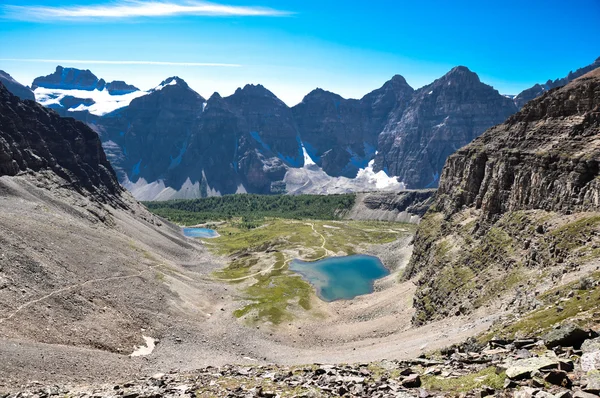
<point x="341" y="278"/>
<point x="200" y="233"/>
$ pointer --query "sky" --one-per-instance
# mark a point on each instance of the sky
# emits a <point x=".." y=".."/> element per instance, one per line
<point x="291" y="47"/>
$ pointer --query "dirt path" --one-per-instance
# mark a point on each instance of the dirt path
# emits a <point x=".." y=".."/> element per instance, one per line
<point x="65" y="289"/>
<point x="286" y="262"/>
<point x="327" y="252"/>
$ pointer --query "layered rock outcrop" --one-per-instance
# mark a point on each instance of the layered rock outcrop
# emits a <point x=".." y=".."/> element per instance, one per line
<point x="545" y="157"/>
<point x="523" y="197"/>
<point x="404" y="206"/>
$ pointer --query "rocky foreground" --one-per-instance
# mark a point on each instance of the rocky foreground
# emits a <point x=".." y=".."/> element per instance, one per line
<point x="563" y="363"/>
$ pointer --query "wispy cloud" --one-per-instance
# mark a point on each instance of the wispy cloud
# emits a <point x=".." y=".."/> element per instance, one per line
<point x="123" y="9"/>
<point x="99" y="62"/>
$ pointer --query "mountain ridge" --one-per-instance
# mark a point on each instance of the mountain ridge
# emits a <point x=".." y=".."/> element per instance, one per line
<point x="521" y="198"/>
<point x="266" y="137"/>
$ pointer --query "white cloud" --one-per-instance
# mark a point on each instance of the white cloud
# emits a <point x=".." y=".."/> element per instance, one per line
<point x="136" y="8"/>
<point x="99" y="62"/>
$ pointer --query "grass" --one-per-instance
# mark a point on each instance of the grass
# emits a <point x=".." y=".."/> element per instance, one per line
<point x="274" y="296"/>
<point x="486" y="377"/>
<point x="581" y="308"/>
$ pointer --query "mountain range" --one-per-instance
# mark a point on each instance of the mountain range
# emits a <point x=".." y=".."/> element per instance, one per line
<point x="170" y="142"/>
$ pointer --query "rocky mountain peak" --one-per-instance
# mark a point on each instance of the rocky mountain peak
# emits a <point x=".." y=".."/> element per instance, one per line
<point x="528" y="180"/>
<point x="398" y="79"/>
<point x="319" y="94"/>
<point x="440" y="118"/>
<point x="459" y="75"/>
<point x="119" y="87"/>
<point x="539" y="89"/>
<point x="254" y="90"/>
<point x="171" y="81"/>
<point x="69" y="79"/>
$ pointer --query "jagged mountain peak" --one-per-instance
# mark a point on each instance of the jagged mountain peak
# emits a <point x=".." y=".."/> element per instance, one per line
<point x="538" y="89"/>
<point x="171" y="81"/>
<point x="254" y="90"/>
<point x="68" y="79"/>
<point x="319" y="93"/>
<point x="215" y="96"/>
<point x="459" y="74"/>
<point x="398" y="79"/>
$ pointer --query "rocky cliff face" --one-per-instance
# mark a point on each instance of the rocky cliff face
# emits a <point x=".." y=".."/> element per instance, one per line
<point x="33" y="138"/>
<point x="519" y="206"/>
<point x="340" y="134"/>
<point x="440" y="118"/>
<point x="15" y="87"/>
<point x="539" y="89"/>
<point x="153" y="132"/>
<point x="404" y="206"/>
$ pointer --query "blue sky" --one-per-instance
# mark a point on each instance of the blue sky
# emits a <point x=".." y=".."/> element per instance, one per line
<point x="291" y="47"/>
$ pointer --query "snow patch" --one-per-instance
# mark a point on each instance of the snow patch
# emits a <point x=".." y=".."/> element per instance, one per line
<point x="144" y="350"/>
<point x="161" y="86"/>
<point x="104" y="102"/>
<point x="311" y="179"/>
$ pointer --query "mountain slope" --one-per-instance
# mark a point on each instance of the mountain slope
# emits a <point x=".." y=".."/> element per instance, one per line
<point x="440" y="118"/>
<point x="84" y="269"/>
<point x="539" y="89"/>
<point x="516" y="209"/>
<point x="15" y="87"/>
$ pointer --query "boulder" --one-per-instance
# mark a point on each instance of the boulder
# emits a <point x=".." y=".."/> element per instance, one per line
<point x="557" y="377"/>
<point x="592" y="380"/>
<point x="568" y="335"/>
<point x="591" y="345"/>
<point x="590" y="361"/>
<point x="523" y="368"/>
<point x="412" y="381"/>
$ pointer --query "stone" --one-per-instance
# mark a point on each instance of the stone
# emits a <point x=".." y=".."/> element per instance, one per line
<point x="412" y="381"/>
<point x="590" y="361"/>
<point x="591" y="345"/>
<point x="583" y="394"/>
<point x="523" y="368"/>
<point x="568" y="335"/>
<point x="592" y="382"/>
<point x="525" y="392"/>
<point x="558" y="377"/>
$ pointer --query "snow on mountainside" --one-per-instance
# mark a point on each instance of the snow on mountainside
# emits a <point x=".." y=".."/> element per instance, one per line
<point x="97" y="102"/>
<point x="311" y="179"/>
<point x="76" y="90"/>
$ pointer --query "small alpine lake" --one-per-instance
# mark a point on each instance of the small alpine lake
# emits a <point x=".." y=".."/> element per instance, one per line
<point x="200" y="233"/>
<point x="341" y="278"/>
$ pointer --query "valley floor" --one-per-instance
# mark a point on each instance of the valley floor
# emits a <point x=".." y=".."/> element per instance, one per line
<point x="82" y="284"/>
<point x="141" y="277"/>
